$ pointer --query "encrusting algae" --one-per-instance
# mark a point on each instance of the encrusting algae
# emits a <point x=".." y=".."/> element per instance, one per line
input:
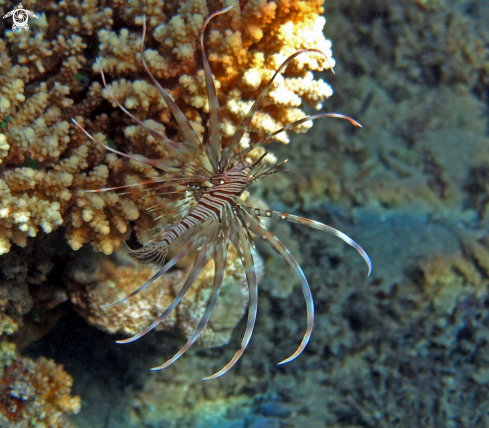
<point x="49" y="75"/>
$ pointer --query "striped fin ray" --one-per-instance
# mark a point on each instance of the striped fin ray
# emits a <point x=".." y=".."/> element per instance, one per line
<point x="214" y="139"/>
<point x="219" y="247"/>
<point x="157" y="163"/>
<point x="191" y="138"/>
<point x="173" y="193"/>
<point x="203" y="257"/>
<point x="149" y="235"/>
<point x="152" y="252"/>
<point x="259" y="229"/>
<point x="294" y="124"/>
<point x="167" y="183"/>
<point x="142" y="183"/>
<point x="174" y="204"/>
<point x="175" y="150"/>
<point x="177" y="214"/>
<point x="163" y="270"/>
<point x="315" y="225"/>
<point x="192" y="243"/>
<point x="241" y="242"/>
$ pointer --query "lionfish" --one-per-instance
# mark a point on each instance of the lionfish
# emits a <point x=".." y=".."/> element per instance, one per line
<point x="208" y="179"/>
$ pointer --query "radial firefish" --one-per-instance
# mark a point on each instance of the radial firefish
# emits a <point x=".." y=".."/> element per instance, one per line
<point x="205" y="180"/>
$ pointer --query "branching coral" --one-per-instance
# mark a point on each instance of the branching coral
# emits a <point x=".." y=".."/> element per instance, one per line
<point x="34" y="393"/>
<point x="48" y="75"/>
<point x="38" y="82"/>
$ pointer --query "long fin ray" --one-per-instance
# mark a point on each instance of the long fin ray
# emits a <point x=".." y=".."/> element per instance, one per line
<point x="258" y="228"/>
<point x="174" y="148"/>
<point x="157" y="163"/>
<point x="191" y="138"/>
<point x="296" y="123"/>
<point x="200" y="261"/>
<point x="214" y="139"/>
<point x="319" y="226"/>
<point x="188" y="247"/>
<point x="220" y="265"/>
<point x="243" y="244"/>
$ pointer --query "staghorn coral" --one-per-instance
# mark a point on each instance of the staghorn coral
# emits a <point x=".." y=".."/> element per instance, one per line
<point x="97" y="281"/>
<point x="49" y="75"/>
<point x="34" y="393"/>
